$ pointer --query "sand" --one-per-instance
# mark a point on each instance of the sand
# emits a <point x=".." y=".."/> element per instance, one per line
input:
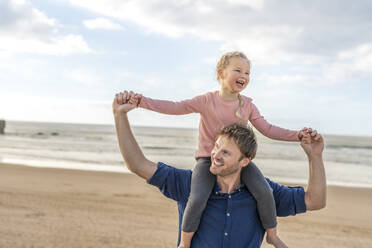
<point x="43" y="207"/>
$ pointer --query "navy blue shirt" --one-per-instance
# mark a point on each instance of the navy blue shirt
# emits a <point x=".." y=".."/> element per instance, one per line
<point x="229" y="220"/>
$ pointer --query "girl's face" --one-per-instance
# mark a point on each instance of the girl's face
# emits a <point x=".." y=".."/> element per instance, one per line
<point x="235" y="76"/>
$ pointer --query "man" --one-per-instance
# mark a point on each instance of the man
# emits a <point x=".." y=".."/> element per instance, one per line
<point x="230" y="218"/>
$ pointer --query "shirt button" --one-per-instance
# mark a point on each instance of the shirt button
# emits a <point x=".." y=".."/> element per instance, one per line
<point x="225" y="233"/>
<point x="229" y="196"/>
<point x="228" y="214"/>
<point x="216" y="192"/>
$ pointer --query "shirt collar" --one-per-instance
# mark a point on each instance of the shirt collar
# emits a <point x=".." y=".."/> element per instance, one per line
<point x="217" y="189"/>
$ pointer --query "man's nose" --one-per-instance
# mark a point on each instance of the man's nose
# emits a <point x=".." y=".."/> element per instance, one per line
<point x="217" y="153"/>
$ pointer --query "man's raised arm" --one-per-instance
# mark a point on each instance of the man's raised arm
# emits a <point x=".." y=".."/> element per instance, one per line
<point x="316" y="191"/>
<point x="132" y="154"/>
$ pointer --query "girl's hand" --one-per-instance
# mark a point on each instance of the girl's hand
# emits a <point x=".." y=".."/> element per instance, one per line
<point x="304" y="135"/>
<point x="135" y="99"/>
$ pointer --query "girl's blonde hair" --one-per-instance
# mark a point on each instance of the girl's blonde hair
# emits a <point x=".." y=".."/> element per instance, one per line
<point x="222" y="64"/>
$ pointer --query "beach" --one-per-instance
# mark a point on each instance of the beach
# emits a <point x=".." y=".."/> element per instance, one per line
<point x="47" y="207"/>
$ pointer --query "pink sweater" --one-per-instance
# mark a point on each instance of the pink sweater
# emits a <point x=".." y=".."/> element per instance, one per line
<point x="215" y="114"/>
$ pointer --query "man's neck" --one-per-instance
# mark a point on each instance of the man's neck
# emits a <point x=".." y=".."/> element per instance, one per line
<point x="229" y="183"/>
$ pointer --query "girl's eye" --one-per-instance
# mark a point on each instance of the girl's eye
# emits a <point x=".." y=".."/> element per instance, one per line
<point x="237" y="70"/>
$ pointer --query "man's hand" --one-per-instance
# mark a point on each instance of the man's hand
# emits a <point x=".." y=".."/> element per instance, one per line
<point x="316" y="192"/>
<point x="124" y="102"/>
<point x="129" y="148"/>
<point x="315" y="147"/>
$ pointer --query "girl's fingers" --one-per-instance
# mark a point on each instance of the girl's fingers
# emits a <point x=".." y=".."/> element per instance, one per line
<point x="138" y="96"/>
<point x="304" y="129"/>
<point x="125" y="97"/>
<point x="317" y="137"/>
<point x="133" y="101"/>
<point x="314" y="133"/>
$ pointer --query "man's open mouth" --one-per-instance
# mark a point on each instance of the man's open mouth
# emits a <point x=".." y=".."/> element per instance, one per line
<point x="217" y="164"/>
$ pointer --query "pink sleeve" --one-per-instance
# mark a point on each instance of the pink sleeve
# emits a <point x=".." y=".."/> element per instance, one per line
<point x="193" y="105"/>
<point x="270" y="131"/>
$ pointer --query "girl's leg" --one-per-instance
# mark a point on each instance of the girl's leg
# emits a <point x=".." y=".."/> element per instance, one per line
<point x="202" y="182"/>
<point x="262" y="192"/>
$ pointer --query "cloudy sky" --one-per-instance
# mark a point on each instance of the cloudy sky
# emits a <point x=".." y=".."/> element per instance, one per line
<point x="63" y="60"/>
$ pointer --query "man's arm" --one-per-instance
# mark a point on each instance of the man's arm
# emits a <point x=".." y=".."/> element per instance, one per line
<point x="316" y="190"/>
<point x="132" y="154"/>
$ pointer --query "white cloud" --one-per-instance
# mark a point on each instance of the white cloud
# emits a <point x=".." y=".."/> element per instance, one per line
<point x="102" y="23"/>
<point x="24" y="28"/>
<point x="360" y="58"/>
<point x="83" y="76"/>
<point x="139" y="82"/>
<point x="210" y="60"/>
<point x="58" y="45"/>
<point x="353" y="63"/>
<point x="287" y="80"/>
<point x="4" y="55"/>
<point x="269" y="32"/>
<point x="255" y="4"/>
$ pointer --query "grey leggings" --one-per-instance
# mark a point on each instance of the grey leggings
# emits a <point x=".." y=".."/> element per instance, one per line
<point x="202" y="183"/>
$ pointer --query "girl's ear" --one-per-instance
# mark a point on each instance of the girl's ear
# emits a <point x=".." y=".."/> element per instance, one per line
<point x="220" y="73"/>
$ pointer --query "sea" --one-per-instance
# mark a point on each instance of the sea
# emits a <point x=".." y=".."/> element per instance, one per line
<point x="348" y="159"/>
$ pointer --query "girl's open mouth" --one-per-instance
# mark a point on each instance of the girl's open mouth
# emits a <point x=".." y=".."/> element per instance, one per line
<point x="241" y="83"/>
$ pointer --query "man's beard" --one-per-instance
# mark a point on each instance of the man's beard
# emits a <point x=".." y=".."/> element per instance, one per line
<point x="227" y="171"/>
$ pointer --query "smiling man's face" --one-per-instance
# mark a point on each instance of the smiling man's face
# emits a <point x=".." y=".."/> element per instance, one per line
<point x="226" y="157"/>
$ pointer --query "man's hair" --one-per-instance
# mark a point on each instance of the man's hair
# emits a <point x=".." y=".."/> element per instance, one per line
<point x="243" y="136"/>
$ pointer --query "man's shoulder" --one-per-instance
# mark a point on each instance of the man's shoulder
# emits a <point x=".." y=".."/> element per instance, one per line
<point x="290" y="200"/>
<point x="271" y="183"/>
<point x="173" y="182"/>
<point x="277" y="186"/>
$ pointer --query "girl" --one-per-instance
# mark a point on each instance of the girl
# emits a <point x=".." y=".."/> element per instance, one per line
<point x="217" y="110"/>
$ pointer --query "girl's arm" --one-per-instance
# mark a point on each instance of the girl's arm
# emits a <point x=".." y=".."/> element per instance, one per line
<point x="193" y="105"/>
<point x="270" y="130"/>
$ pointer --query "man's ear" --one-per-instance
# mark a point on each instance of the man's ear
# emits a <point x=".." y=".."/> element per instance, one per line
<point x="244" y="162"/>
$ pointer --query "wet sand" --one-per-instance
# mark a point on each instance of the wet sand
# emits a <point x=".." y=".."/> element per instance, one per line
<point x="43" y="207"/>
